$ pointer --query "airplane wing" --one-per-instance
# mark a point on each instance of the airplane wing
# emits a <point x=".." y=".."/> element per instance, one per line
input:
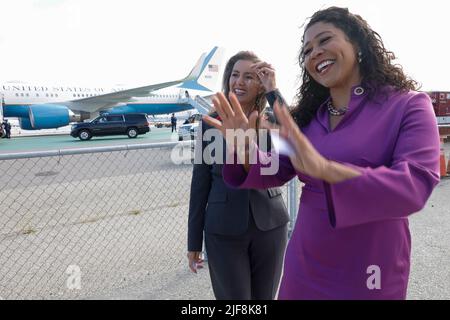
<point x="108" y="100"/>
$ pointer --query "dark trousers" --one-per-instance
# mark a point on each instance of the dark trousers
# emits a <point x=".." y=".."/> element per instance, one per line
<point x="247" y="266"/>
<point x="174" y="127"/>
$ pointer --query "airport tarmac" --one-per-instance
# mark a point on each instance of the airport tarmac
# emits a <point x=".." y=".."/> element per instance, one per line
<point x="65" y="141"/>
<point x="81" y="214"/>
<point x="429" y="274"/>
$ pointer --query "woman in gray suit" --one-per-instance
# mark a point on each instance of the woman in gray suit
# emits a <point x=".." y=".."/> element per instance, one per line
<point x="245" y="230"/>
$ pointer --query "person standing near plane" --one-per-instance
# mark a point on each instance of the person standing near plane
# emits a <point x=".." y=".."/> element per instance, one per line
<point x="6" y="129"/>
<point x="245" y="231"/>
<point x="173" y="122"/>
<point x="366" y="145"/>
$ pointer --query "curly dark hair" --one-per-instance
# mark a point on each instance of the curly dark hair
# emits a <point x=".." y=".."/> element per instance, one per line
<point x="376" y="67"/>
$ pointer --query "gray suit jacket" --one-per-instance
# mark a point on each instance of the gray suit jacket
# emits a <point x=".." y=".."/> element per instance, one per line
<point x="216" y="208"/>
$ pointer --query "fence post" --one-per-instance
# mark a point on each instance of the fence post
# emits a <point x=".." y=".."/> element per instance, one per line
<point x="292" y="201"/>
<point x="205" y="254"/>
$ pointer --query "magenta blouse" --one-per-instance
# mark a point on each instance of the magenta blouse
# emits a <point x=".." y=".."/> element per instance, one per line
<point x="351" y="239"/>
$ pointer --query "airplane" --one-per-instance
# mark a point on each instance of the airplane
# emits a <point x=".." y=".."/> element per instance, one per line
<point x="39" y="106"/>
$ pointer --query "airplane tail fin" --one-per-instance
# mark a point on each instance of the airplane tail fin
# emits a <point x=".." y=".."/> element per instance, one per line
<point x="197" y="69"/>
<point x="205" y="74"/>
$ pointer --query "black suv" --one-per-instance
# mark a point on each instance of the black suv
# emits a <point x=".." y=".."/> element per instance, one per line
<point x="130" y="124"/>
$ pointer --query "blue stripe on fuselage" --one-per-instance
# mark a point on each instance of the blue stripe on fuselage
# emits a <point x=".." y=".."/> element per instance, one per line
<point x="163" y="108"/>
<point x="22" y="111"/>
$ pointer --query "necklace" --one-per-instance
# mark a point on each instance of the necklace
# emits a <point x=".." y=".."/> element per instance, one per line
<point x="334" y="111"/>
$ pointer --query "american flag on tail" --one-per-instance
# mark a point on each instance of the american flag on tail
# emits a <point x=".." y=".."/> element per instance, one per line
<point x="213" y="67"/>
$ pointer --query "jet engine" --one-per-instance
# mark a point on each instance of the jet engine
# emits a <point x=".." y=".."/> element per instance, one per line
<point x="47" y="116"/>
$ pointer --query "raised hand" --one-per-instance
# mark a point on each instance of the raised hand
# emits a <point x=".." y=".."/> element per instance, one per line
<point x="266" y="73"/>
<point x="238" y="130"/>
<point x="231" y="115"/>
<point x="305" y="158"/>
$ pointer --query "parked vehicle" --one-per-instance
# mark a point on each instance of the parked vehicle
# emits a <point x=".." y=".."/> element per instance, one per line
<point x="186" y="129"/>
<point x="163" y="124"/>
<point x="193" y="118"/>
<point x="131" y="124"/>
<point x="441" y="105"/>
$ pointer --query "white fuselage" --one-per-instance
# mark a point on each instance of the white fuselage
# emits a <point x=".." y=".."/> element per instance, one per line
<point x="29" y="94"/>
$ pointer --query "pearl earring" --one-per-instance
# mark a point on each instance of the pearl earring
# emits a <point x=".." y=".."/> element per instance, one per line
<point x="359" y="56"/>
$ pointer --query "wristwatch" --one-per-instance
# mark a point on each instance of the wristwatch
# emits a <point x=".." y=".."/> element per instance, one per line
<point x="273" y="96"/>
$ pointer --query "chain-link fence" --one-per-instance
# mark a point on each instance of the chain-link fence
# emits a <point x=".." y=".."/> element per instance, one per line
<point x="78" y="222"/>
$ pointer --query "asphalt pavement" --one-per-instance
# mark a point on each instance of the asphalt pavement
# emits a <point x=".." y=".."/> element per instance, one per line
<point x="123" y="220"/>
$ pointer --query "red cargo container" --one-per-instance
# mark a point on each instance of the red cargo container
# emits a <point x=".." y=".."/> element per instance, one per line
<point x="441" y="105"/>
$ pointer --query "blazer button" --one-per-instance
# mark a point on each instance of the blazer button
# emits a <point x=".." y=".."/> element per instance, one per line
<point x="358" y="91"/>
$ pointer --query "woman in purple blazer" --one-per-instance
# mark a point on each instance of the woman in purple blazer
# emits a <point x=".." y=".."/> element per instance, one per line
<point x="366" y="147"/>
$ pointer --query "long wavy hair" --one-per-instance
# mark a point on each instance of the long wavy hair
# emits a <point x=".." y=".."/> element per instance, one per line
<point x="260" y="102"/>
<point x="376" y="66"/>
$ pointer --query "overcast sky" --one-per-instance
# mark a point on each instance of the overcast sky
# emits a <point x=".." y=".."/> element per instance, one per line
<point x="140" y="42"/>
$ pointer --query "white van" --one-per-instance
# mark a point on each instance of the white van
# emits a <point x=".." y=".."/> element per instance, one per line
<point x="190" y="126"/>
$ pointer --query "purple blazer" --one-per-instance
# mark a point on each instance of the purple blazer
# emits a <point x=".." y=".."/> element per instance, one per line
<point x="351" y="239"/>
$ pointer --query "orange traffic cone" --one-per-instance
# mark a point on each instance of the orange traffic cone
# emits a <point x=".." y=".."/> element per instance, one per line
<point x="443" y="164"/>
